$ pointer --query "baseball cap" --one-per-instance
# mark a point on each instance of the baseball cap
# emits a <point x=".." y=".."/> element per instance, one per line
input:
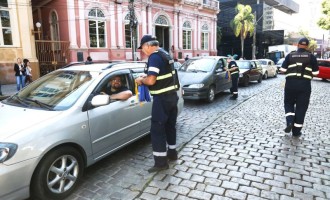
<point x="146" y="38"/>
<point x="303" y="41"/>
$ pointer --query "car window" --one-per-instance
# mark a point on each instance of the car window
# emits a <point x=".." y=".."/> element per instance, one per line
<point x="198" y="65"/>
<point x="323" y="63"/>
<point x="58" y="90"/>
<point x="243" y="64"/>
<point x="263" y="62"/>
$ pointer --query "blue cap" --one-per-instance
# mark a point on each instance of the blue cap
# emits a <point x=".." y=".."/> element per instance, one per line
<point x="303" y="41"/>
<point x="146" y="38"/>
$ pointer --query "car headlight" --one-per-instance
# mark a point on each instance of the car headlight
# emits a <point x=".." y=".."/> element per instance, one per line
<point x="7" y="150"/>
<point x="200" y="85"/>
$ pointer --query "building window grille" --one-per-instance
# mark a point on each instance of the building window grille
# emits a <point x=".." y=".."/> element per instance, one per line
<point x="186" y="34"/>
<point x="5" y="24"/>
<point x="128" y="40"/>
<point x="205" y="37"/>
<point x="96" y="22"/>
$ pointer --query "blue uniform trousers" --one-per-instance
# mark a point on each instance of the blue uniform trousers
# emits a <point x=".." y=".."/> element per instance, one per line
<point x="234" y="87"/>
<point x="295" y="105"/>
<point x="163" y="121"/>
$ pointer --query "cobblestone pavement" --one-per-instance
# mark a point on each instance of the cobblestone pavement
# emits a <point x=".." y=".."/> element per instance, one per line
<point x="227" y="150"/>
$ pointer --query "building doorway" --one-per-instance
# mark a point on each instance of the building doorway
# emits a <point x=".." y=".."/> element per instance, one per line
<point x="162" y="34"/>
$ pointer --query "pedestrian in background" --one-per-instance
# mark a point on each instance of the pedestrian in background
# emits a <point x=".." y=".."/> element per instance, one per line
<point x="28" y="70"/>
<point x="234" y="73"/>
<point x="20" y="74"/>
<point x="163" y="84"/>
<point x="299" y="67"/>
<point x="89" y="60"/>
<point x="187" y="58"/>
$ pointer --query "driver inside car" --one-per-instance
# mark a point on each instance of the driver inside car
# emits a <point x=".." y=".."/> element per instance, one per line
<point x="116" y="90"/>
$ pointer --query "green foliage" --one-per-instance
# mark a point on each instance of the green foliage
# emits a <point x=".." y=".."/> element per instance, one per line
<point x="243" y="23"/>
<point x="324" y="21"/>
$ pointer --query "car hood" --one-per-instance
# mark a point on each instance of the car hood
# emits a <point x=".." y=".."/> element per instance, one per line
<point x="187" y="78"/>
<point x="243" y="70"/>
<point x="14" y="119"/>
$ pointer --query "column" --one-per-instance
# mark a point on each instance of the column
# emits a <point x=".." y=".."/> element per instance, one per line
<point x="82" y="24"/>
<point x="215" y="35"/>
<point x="72" y="24"/>
<point x="180" y="24"/>
<point x="120" y="25"/>
<point x="112" y="31"/>
<point x="150" y="21"/>
<point x="144" y="20"/>
<point x="176" y="31"/>
<point x="195" y="33"/>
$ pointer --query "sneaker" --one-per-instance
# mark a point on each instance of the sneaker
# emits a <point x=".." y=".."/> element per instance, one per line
<point x="288" y="128"/>
<point x="157" y="169"/>
<point x="297" y="134"/>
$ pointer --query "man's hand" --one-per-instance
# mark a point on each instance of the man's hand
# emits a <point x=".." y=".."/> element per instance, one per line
<point x="139" y="80"/>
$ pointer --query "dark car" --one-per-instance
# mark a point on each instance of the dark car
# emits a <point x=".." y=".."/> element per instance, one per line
<point x="249" y="70"/>
<point x="203" y="77"/>
<point x="324" y="69"/>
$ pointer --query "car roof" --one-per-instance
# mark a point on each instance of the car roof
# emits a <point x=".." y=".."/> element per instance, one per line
<point x="214" y="57"/>
<point x="102" y="66"/>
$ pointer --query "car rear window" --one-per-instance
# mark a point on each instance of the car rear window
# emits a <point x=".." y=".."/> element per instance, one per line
<point x="323" y="63"/>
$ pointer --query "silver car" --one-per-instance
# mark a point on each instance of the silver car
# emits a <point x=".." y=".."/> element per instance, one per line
<point x="61" y="123"/>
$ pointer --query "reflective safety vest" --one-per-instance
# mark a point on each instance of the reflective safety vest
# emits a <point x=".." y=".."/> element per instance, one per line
<point x="299" y="66"/>
<point x="168" y="81"/>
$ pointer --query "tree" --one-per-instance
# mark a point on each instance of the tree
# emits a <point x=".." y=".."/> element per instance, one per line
<point x="324" y="21"/>
<point x="243" y="23"/>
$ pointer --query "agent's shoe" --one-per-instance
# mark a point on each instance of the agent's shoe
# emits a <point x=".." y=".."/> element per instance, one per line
<point x="297" y="134"/>
<point x="157" y="169"/>
<point x="288" y="128"/>
<point x="172" y="154"/>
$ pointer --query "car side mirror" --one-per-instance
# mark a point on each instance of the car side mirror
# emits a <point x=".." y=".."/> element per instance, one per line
<point x="100" y="100"/>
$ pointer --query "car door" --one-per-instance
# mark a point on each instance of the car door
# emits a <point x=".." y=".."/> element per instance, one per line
<point x="115" y="124"/>
<point x="222" y="80"/>
<point x="254" y="74"/>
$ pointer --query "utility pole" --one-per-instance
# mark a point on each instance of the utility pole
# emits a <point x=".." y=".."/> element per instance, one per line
<point x="133" y="25"/>
<point x="254" y="36"/>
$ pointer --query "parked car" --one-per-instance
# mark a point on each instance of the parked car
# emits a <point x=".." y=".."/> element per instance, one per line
<point x="269" y="68"/>
<point x="61" y="123"/>
<point x="249" y="70"/>
<point x="177" y="64"/>
<point x="203" y="77"/>
<point x="324" y="69"/>
<point x="279" y="64"/>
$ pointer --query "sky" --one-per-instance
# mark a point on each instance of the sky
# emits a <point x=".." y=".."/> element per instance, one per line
<point x="309" y="13"/>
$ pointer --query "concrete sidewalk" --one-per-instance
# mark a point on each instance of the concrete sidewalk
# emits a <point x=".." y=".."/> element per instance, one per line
<point x="245" y="154"/>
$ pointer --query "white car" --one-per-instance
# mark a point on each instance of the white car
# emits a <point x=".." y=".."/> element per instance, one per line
<point x="269" y="68"/>
<point x="61" y="123"/>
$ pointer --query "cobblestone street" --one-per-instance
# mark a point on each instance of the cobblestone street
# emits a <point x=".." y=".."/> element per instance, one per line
<point x="228" y="150"/>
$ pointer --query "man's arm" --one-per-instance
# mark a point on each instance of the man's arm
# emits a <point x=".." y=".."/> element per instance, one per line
<point x="147" y="80"/>
<point x="124" y="95"/>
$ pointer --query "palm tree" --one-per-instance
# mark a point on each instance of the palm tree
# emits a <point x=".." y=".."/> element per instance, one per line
<point x="243" y="23"/>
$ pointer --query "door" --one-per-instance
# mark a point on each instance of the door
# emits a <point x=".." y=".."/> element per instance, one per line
<point x="162" y="34"/>
<point x="220" y="76"/>
<point x="115" y="124"/>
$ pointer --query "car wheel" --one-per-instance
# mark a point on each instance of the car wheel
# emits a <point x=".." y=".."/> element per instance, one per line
<point x="260" y="79"/>
<point x="265" y="75"/>
<point x="57" y="174"/>
<point x="211" y="94"/>
<point x="246" y="81"/>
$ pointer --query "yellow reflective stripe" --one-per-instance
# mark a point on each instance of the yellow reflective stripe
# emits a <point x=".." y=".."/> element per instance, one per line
<point x="306" y="76"/>
<point x="163" y="90"/>
<point x="315" y="73"/>
<point x="293" y="65"/>
<point x="308" y="69"/>
<point x="300" y="64"/>
<point x="164" y="76"/>
<point x="235" y="72"/>
<point x="298" y="125"/>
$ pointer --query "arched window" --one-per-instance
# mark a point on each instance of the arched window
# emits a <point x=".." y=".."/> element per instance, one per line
<point x="186" y="34"/>
<point x="205" y="37"/>
<point x="54" y="28"/>
<point x="96" y="22"/>
<point x="128" y="36"/>
<point x="161" y="20"/>
<point x="5" y="24"/>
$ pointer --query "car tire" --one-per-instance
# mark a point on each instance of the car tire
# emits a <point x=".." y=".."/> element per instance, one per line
<point x="246" y="81"/>
<point x="210" y="94"/>
<point x="64" y="166"/>
<point x="260" y="79"/>
<point x="265" y="76"/>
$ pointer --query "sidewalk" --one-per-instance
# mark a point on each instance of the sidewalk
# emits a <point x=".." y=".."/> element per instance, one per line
<point x="7" y="90"/>
<point x="245" y="154"/>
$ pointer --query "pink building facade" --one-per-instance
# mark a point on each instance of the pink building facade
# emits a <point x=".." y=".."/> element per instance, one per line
<point x="102" y="28"/>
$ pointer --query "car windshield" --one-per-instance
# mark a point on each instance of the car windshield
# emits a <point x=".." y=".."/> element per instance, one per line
<point x="243" y="64"/>
<point x="280" y="61"/>
<point x="198" y="65"/>
<point x="323" y="63"/>
<point x="58" y="90"/>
